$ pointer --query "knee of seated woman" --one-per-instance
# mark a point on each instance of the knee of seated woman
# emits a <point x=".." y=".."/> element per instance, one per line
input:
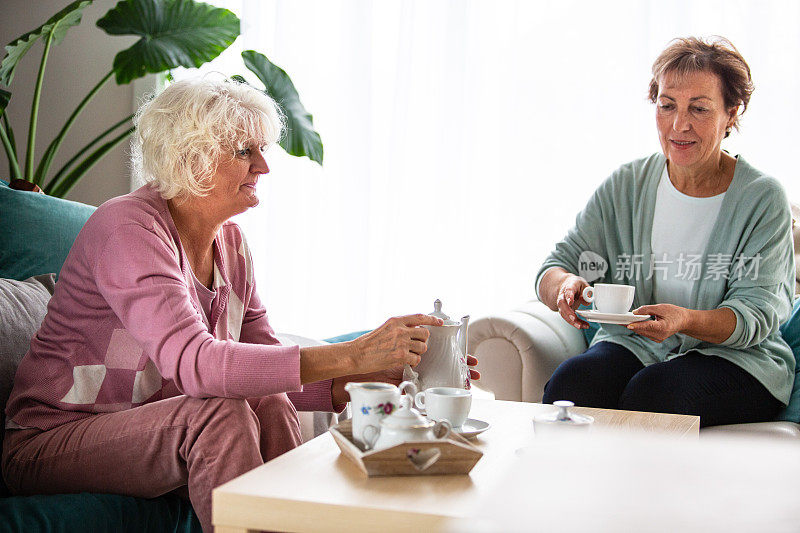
<point x="275" y="403"/>
<point x="230" y="411"/>
<point x="653" y="391"/>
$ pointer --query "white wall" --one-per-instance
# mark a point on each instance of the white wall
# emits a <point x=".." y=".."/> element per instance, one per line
<point x="73" y="68"/>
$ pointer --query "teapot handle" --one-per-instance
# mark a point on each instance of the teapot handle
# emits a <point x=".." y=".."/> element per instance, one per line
<point x="437" y="429"/>
<point x="406" y="402"/>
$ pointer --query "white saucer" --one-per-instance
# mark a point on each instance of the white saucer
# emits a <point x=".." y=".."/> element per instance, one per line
<point x="621" y="319"/>
<point x="472" y="428"/>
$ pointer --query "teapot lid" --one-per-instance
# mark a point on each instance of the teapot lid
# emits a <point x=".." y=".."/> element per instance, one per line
<point x="437" y="310"/>
<point x="438" y="313"/>
<point x="563" y="416"/>
<point x="406" y="417"/>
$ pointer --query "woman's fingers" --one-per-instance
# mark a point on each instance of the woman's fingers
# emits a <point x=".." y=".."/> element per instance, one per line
<point x="417" y="347"/>
<point x="569" y="299"/>
<point x="421" y="320"/>
<point x="567" y="311"/>
<point x="400" y="340"/>
<point x="655" y="330"/>
<point x="419" y="333"/>
<point x="472" y="361"/>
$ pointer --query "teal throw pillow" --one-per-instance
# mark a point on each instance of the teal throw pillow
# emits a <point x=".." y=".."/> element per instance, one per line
<point x="346" y="337"/>
<point x="790" y="331"/>
<point x="593" y="328"/>
<point x="98" y="513"/>
<point x="38" y="231"/>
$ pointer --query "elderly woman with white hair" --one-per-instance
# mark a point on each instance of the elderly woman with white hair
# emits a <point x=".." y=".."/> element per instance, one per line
<point x="156" y="367"/>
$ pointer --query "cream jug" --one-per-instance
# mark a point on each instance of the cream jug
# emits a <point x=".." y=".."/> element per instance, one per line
<point x="445" y="362"/>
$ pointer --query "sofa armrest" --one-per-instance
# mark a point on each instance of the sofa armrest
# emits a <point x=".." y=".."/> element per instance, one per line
<point x="312" y="424"/>
<point x="783" y="430"/>
<point x="519" y="350"/>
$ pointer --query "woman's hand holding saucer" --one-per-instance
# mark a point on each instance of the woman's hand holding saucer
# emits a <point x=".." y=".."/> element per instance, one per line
<point x="667" y="320"/>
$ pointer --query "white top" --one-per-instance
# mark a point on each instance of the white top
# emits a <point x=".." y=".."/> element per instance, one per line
<point x="682" y="226"/>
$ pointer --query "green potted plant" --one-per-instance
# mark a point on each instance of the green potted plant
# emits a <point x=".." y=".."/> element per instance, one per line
<point x="172" y="33"/>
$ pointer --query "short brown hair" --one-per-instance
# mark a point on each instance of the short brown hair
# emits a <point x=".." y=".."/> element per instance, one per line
<point x="716" y="55"/>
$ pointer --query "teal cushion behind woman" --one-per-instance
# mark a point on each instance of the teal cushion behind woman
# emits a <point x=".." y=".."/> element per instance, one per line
<point x="790" y="331"/>
<point x="38" y="232"/>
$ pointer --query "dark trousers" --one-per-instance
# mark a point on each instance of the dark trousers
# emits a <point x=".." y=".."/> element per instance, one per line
<point x="610" y="376"/>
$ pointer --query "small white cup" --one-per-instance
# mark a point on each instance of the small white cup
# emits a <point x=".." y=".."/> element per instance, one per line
<point x="610" y="298"/>
<point x="445" y="403"/>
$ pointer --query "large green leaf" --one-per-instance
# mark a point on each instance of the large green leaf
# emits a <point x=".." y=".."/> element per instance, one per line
<point x="174" y="33"/>
<point x="58" y="24"/>
<point x="300" y="139"/>
<point x="5" y="96"/>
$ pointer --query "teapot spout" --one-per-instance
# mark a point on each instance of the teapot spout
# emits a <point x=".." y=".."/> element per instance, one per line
<point x="462" y="334"/>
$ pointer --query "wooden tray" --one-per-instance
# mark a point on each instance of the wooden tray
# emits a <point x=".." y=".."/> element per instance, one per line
<point x="453" y="455"/>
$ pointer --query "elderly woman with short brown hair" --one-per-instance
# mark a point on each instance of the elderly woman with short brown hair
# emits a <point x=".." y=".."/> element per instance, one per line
<point x="155" y="368"/>
<point x="705" y="239"/>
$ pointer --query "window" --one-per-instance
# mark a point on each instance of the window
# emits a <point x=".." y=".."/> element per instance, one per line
<point x="462" y="138"/>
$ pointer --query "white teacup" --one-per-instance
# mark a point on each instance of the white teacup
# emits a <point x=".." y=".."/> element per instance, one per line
<point x="610" y="298"/>
<point x="445" y="403"/>
<point x="370" y="402"/>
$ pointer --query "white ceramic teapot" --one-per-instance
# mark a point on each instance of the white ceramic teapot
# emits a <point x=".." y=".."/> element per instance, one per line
<point x="444" y="364"/>
<point x="404" y="425"/>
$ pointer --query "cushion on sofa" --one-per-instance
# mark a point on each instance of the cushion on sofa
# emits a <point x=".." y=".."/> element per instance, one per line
<point x="37" y="238"/>
<point x="593" y="328"/>
<point x="346" y="337"/>
<point x="78" y="513"/>
<point x="790" y="331"/>
<point x="23" y="305"/>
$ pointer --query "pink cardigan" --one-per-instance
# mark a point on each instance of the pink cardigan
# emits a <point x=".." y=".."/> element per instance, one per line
<point x="124" y="326"/>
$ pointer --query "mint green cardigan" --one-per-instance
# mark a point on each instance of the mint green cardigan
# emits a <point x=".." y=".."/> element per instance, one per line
<point x="754" y="221"/>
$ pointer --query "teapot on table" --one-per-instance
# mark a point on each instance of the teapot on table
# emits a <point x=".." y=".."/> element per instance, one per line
<point x="444" y="364"/>
<point x="404" y="425"/>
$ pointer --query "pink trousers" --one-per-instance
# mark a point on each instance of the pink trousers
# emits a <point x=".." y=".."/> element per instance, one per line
<point x="153" y="449"/>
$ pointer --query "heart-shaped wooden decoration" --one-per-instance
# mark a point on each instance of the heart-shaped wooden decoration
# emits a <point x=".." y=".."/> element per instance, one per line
<point x="423" y="459"/>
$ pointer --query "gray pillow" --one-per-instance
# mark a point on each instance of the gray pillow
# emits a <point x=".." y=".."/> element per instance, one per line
<point x="23" y="305"/>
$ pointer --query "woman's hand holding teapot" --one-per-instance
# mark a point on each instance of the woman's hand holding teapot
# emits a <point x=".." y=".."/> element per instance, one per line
<point x="400" y="340"/>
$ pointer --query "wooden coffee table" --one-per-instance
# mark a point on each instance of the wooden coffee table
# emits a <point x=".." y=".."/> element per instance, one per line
<point x="315" y="488"/>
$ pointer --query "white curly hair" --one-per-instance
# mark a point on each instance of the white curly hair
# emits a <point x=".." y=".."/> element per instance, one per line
<point x="183" y="132"/>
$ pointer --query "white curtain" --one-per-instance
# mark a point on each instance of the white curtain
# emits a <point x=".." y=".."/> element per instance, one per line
<point x="462" y="137"/>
